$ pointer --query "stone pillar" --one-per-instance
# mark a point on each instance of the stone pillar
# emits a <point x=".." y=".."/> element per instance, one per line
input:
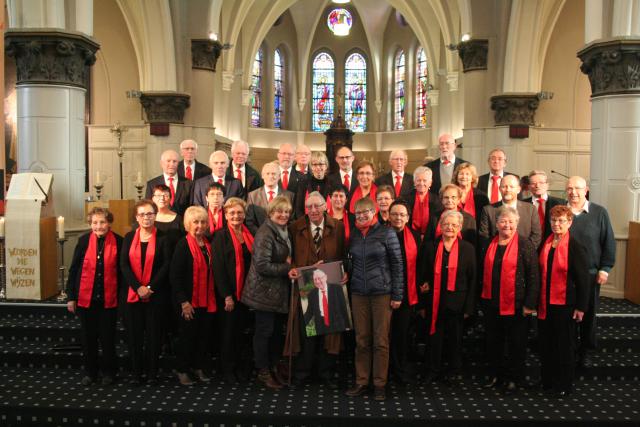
<point x="613" y="67"/>
<point x="52" y="68"/>
<point x="204" y="57"/>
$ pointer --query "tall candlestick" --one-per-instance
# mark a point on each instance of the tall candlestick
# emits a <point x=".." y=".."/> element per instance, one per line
<point x="60" y="227"/>
<point x="97" y="177"/>
<point x="139" y="177"/>
<point x="1" y="226"/>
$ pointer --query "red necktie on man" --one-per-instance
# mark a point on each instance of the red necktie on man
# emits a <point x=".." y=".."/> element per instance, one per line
<point x="172" y="191"/>
<point x="325" y="307"/>
<point x="494" y="188"/>
<point x="346" y="182"/>
<point x="220" y="181"/>
<point x="398" y="185"/>
<point x="188" y="173"/>
<point x="239" y="175"/>
<point x="270" y="196"/>
<point x="285" y="179"/>
<point x="541" y="213"/>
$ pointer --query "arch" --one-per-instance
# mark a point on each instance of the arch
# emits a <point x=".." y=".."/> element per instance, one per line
<point x="322" y="90"/>
<point x="355" y="91"/>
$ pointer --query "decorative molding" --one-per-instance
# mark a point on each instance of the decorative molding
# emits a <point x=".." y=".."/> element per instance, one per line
<point x="246" y="97"/>
<point x="51" y="57"/>
<point x="378" y="104"/>
<point x="165" y="107"/>
<point x="227" y="80"/>
<point x="515" y="109"/>
<point x="433" y="95"/>
<point x="205" y="54"/>
<point x="613" y="66"/>
<point x="473" y="54"/>
<point x="301" y="103"/>
<point x="452" y="81"/>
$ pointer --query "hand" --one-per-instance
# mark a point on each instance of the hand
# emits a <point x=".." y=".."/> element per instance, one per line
<point x="289" y="260"/>
<point x="345" y="279"/>
<point x="578" y="315"/>
<point x="526" y="311"/>
<point x="187" y="310"/>
<point x="318" y="263"/>
<point x="144" y="292"/>
<point x="228" y="304"/>
<point x="395" y="304"/>
<point x="294" y="274"/>
<point x="466" y="316"/>
<point x="424" y="288"/>
<point x="71" y="306"/>
<point x="602" y="277"/>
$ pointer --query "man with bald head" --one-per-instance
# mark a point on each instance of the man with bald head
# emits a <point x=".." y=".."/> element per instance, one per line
<point x="218" y="161"/>
<point x="443" y="166"/>
<point x="489" y="183"/>
<point x="303" y="157"/>
<point x="288" y="177"/>
<point x="402" y="183"/>
<point x="258" y="200"/>
<point x="241" y="169"/>
<point x="189" y="168"/>
<point x="591" y="227"/>
<point x="180" y="188"/>
<point x="344" y="176"/>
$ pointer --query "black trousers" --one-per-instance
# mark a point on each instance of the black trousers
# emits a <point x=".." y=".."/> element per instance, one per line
<point x="143" y="325"/>
<point x="312" y="350"/>
<point x="557" y="341"/>
<point x="509" y="330"/>
<point x="400" y="340"/>
<point x="98" y="329"/>
<point x="268" y="338"/>
<point x="193" y="341"/>
<point x="587" y="328"/>
<point x="448" y="335"/>
<point x="235" y="343"/>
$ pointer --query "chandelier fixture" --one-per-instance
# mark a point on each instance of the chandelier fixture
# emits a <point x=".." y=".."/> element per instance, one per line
<point x="339" y="22"/>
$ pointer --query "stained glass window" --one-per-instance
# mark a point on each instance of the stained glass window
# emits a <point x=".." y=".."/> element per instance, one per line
<point x="339" y="22"/>
<point x="422" y="87"/>
<point x="398" y="122"/>
<point x="355" y="103"/>
<point x="322" y="88"/>
<point x="278" y="89"/>
<point x="256" y="85"/>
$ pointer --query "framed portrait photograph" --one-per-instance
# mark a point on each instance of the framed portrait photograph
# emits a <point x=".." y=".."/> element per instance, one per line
<point x="324" y="300"/>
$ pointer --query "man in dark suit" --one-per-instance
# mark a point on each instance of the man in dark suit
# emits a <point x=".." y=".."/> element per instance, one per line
<point x="443" y="167"/>
<point x="289" y="176"/>
<point x="180" y="188"/>
<point x="326" y="306"/>
<point x="219" y="161"/>
<point x="528" y="224"/>
<point x="241" y="170"/>
<point x="489" y="183"/>
<point x="344" y="177"/>
<point x="189" y="168"/>
<point x="400" y="181"/>
<point x="542" y="201"/>
<point x="258" y="199"/>
<point x="303" y="157"/>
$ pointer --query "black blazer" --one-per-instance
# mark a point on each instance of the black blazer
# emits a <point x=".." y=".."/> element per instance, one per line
<point x="338" y="314"/>
<point x="181" y="273"/>
<point x="232" y="188"/>
<point x="335" y="181"/>
<point x="200" y="170"/>
<point x="224" y="265"/>
<point x="159" y="273"/>
<point x="483" y="181"/>
<point x="434" y="165"/>
<point x="183" y="193"/>
<point x="252" y="178"/>
<point x="462" y="300"/>
<point x="551" y="202"/>
<point x="294" y="178"/>
<point x="405" y="188"/>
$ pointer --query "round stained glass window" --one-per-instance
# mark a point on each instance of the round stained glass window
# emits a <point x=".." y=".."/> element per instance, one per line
<point x="339" y="22"/>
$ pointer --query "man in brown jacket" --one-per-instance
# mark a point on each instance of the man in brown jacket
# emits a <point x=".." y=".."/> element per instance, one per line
<point x="315" y="237"/>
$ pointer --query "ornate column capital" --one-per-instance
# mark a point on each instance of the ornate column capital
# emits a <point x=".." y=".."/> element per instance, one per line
<point x="473" y="54"/>
<point x="515" y="108"/>
<point x="452" y="81"/>
<point x="227" y="80"/>
<point x="433" y="95"/>
<point x="613" y="66"/>
<point x="246" y="97"/>
<point x="301" y="103"/>
<point x="47" y="56"/>
<point x="165" y="107"/>
<point x="205" y="54"/>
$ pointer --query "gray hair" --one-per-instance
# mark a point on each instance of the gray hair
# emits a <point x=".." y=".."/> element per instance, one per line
<point x="507" y="211"/>
<point x="226" y="156"/>
<point x="421" y="170"/>
<point x="319" y="156"/>
<point x="318" y="195"/>
<point x="447" y="214"/>
<point x="195" y="144"/>
<point x="539" y="172"/>
<point x="234" y="144"/>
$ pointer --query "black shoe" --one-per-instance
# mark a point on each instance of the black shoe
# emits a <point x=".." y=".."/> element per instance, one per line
<point x="330" y="384"/>
<point x="453" y="380"/>
<point x="432" y="377"/>
<point x="230" y="378"/>
<point x="379" y="394"/>
<point x="152" y="380"/>
<point x="87" y="380"/>
<point x="135" y="380"/>
<point x="492" y="383"/>
<point x="356" y="390"/>
<point x="510" y="387"/>
<point x="107" y="380"/>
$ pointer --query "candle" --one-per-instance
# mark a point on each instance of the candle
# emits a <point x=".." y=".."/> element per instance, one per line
<point x="1" y="226"/>
<point x="97" y="177"/>
<point x="60" y="227"/>
<point x="139" y="178"/>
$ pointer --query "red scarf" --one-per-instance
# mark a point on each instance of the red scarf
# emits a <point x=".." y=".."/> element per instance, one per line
<point x="110" y="257"/>
<point x="559" y="270"/>
<point x="364" y="229"/>
<point x="202" y="295"/>
<point x="420" y="214"/>
<point x="237" y="249"/>
<point x="357" y="195"/>
<point x="135" y="260"/>
<point x="469" y="205"/>
<point x="452" y="273"/>
<point x="213" y="226"/>
<point x="411" y="251"/>
<point x="345" y="222"/>
<point x="507" y="275"/>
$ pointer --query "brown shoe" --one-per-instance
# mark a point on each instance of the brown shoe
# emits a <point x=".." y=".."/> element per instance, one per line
<point x="357" y="390"/>
<point x="278" y="376"/>
<point x="379" y="394"/>
<point x="184" y="378"/>
<point x="201" y="376"/>
<point x="265" y="377"/>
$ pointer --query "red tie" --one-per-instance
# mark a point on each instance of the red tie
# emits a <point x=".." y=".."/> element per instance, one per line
<point x="220" y="181"/>
<point x="189" y="175"/>
<point x="398" y="185"/>
<point x="446" y="162"/>
<point x="239" y="175"/>
<point x="270" y="196"/>
<point x="541" y="213"/>
<point x="494" y="188"/>
<point x="285" y="179"/>
<point x="347" y="184"/>
<point x="325" y="308"/>
<point x="173" y="192"/>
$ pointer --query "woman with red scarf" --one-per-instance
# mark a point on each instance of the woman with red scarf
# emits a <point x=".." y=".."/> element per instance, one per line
<point x="215" y="213"/>
<point x="450" y="265"/>
<point x="194" y="294"/>
<point x="422" y="204"/>
<point x="401" y="318"/>
<point x="564" y="297"/>
<point x="145" y="265"/>
<point x="510" y="286"/>
<point x="338" y="211"/>
<point x="365" y="173"/>
<point x="450" y="196"/>
<point x="232" y="248"/>
<point x="473" y="200"/>
<point x="385" y="195"/>
<point x="92" y="289"/>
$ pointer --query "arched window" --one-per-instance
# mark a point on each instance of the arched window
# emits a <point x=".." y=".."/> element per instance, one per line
<point x="278" y="89"/>
<point x="398" y="122"/>
<point x="322" y="91"/>
<point x="256" y="86"/>
<point x="355" y="103"/>
<point x="422" y="87"/>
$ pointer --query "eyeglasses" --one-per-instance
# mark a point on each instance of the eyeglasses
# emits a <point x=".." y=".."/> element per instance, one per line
<point x="365" y="173"/>
<point x="398" y="215"/>
<point x="146" y="215"/>
<point x="558" y="221"/>
<point x="314" y="206"/>
<point x="317" y="165"/>
<point x="364" y="213"/>
<point x="161" y="196"/>
<point x="449" y="225"/>
<point x="344" y="157"/>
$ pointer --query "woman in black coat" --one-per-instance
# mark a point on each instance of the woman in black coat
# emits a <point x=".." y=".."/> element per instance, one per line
<point x="194" y="295"/>
<point x="450" y="273"/>
<point x="92" y="289"/>
<point x="232" y="248"/>
<point x="314" y="181"/>
<point x="145" y="265"/>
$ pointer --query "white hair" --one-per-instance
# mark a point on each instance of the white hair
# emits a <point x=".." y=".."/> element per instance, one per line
<point x="234" y="144"/>
<point x="226" y="156"/>
<point x="195" y="144"/>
